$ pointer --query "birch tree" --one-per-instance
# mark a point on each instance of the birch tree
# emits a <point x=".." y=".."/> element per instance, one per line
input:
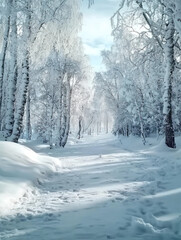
<point x="25" y="74"/>
<point x="6" y="23"/>
<point x="13" y="72"/>
<point x="170" y="66"/>
<point x="159" y="17"/>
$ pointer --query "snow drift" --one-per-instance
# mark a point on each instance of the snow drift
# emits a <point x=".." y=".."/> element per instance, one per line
<point x="21" y="169"/>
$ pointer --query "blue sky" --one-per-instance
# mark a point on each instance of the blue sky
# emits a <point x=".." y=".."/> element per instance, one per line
<point x="96" y="30"/>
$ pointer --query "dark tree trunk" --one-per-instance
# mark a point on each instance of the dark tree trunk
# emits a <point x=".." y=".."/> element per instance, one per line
<point x="13" y="74"/>
<point x="25" y="77"/>
<point x="28" y="118"/>
<point x="170" y="65"/>
<point x="21" y="108"/>
<point x="3" y="57"/>
<point x="80" y="128"/>
<point x="67" y="112"/>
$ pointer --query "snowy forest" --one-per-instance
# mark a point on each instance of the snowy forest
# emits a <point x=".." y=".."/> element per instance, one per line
<point x="43" y="69"/>
<point x="45" y="74"/>
<point x="74" y="136"/>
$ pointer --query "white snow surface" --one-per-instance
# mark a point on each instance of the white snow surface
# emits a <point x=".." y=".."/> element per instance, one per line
<point x="21" y="170"/>
<point x="101" y="188"/>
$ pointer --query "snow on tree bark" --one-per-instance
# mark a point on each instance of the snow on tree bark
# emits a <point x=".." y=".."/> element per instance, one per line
<point x="177" y="15"/>
<point x="170" y="66"/>
<point x="28" y="117"/>
<point x="51" y="117"/>
<point x="18" y="124"/>
<point x="67" y="112"/>
<point x="60" y="107"/>
<point x="12" y="80"/>
<point x="3" y="55"/>
<point x="17" y="128"/>
<point x="80" y="127"/>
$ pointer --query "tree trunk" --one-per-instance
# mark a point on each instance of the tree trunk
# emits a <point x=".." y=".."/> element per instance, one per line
<point x="80" y="127"/>
<point x="9" y="121"/>
<point x="21" y="106"/>
<point x="64" y="115"/>
<point x="142" y="129"/>
<point x="67" y="112"/>
<point x="107" y="124"/>
<point x="28" y="117"/>
<point x="60" y="110"/>
<point x="170" y="65"/>
<point x="3" y="56"/>
<point x="25" y="77"/>
<point x="51" y="118"/>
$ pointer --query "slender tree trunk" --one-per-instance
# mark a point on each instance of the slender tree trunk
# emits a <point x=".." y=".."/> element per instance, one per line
<point x="107" y="123"/>
<point x="25" y="77"/>
<point x="51" y="118"/>
<point x="21" y="107"/>
<point x="3" y="56"/>
<point x="80" y="127"/>
<point x="60" y="111"/>
<point x="68" y="105"/>
<point x="59" y="125"/>
<point x="170" y="65"/>
<point x="141" y="123"/>
<point x="28" y="117"/>
<point x="9" y="121"/>
<point x="64" y="113"/>
<point x="90" y="131"/>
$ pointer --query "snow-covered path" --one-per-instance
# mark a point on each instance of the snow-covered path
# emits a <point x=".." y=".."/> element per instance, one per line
<point x="103" y="192"/>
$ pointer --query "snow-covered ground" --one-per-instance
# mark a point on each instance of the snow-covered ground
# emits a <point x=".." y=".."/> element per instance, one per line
<point x="104" y="189"/>
<point x="21" y="172"/>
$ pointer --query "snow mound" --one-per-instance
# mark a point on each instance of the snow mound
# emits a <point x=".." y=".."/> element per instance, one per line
<point x="21" y="169"/>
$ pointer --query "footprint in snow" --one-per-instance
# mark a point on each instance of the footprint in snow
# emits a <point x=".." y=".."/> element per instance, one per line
<point x="147" y="203"/>
<point x="152" y="191"/>
<point x="142" y="211"/>
<point x="160" y="185"/>
<point x="110" y="237"/>
<point x="161" y="173"/>
<point x="29" y="216"/>
<point x="161" y="205"/>
<point x="49" y="217"/>
<point x="160" y="213"/>
<point x="119" y="199"/>
<point x="75" y="190"/>
<point x="94" y="178"/>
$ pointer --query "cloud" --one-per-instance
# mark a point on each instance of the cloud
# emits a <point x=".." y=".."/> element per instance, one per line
<point x="96" y="29"/>
<point x="93" y="51"/>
